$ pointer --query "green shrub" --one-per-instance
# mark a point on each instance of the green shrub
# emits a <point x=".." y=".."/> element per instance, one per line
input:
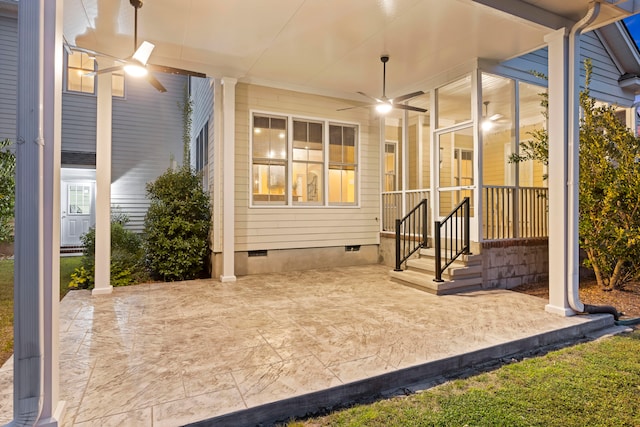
<point x="177" y="226"/>
<point x="7" y="190"/>
<point x="127" y="257"/>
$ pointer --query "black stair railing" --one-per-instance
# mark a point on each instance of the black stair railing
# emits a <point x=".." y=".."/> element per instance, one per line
<point x="452" y="233"/>
<point x="411" y="233"/>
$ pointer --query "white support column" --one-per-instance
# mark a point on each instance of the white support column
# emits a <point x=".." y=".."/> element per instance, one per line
<point x="103" y="187"/>
<point x="218" y="168"/>
<point x="52" y="408"/>
<point x="37" y="215"/>
<point x="558" y="43"/>
<point x="228" y="189"/>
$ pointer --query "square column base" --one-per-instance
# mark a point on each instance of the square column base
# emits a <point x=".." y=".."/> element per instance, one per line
<point x="561" y="311"/>
<point x="102" y="291"/>
<point x="227" y="278"/>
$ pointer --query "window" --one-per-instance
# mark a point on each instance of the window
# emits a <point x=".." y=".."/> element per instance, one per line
<point x="390" y="166"/>
<point x="80" y="69"/>
<point x="81" y="77"/>
<point x="302" y="162"/>
<point x="202" y="154"/>
<point x="308" y="162"/>
<point x="269" y="159"/>
<point x="342" y="164"/>
<point x="79" y="199"/>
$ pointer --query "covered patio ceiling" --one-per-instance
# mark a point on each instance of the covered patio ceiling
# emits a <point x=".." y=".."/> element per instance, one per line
<point x="329" y="47"/>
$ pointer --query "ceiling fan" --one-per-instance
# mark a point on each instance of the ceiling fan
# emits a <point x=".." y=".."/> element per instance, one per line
<point x="383" y="104"/>
<point x="489" y="121"/>
<point x="137" y="64"/>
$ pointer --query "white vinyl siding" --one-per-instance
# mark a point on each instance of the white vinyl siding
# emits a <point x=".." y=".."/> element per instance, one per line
<point x="305" y="226"/>
<point x="8" y="76"/>
<point x="147" y="132"/>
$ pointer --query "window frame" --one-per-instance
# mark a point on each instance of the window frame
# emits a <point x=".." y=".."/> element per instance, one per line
<point x="288" y="202"/>
<point x="95" y="80"/>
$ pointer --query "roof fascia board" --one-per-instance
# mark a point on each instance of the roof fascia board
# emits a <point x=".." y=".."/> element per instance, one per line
<point x="630" y="6"/>
<point x="620" y="46"/>
<point x="529" y="12"/>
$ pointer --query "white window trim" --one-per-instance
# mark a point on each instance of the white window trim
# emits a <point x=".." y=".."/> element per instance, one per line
<point x="94" y="94"/>
<point x="289" y="201"/>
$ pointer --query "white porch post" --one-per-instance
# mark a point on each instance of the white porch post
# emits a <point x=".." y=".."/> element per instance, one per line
<point x="103" y="187"/>
<point x="228" y="188"/>
<point x="559" y="238"/>
<point x="52" y="408"/>
<point x="37" y="215"/>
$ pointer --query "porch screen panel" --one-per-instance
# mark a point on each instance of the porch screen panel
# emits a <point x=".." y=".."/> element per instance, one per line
<point x="456" y="169"/>
<point x="454" y="103"/>
<point x="308" y="166"/>
<point x="532" y="173"/>
<point x="498" y="130"/>
<point x="533" y="197"/>
<point x="269" y="158"/>
<point x="342" y="164"/>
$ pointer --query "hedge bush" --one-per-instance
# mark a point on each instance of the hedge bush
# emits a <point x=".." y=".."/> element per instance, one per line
<point x="127" y="257"/>
<point x="177" y="226"/>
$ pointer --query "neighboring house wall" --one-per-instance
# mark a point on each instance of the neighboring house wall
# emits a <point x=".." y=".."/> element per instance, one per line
<point x="202" y="97"/>
<point x="147" y="135"/>
<point x="604" y="80"/>
<point x="295" y="227"/>
<point x="8" y="75"/>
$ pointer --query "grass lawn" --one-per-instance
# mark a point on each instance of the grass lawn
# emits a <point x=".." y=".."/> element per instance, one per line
<point x="591" y="384"/>
<point x="67" y="265"/>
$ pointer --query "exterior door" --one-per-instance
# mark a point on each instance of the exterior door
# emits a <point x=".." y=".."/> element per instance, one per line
<point x="77" y="216"/>
<point x="455" y="179"/>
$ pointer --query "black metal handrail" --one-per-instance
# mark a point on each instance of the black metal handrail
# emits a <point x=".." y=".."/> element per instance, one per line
<point x="456" y="239"/>
<point x="411" y="233"/>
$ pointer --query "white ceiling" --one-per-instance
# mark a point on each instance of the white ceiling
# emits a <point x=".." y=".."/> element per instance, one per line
<point x="322" y="46"/>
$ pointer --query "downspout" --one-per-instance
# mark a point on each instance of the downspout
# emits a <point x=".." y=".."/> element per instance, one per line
<point x="574" y="172"/>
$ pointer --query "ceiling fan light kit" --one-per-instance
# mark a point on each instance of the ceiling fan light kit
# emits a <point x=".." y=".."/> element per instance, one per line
<point x="384" y="105"/>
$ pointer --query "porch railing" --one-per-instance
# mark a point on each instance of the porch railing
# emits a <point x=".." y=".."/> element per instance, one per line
<point x="392" y="205"/>
<point x="510" y="213"/>
<point x="451" y="236"/>
<point x="411" y="233"/>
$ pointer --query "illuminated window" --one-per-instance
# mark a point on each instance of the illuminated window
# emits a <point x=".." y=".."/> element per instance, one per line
<point x="313" y="165"/>
<point x="117" y="84"/>
<point x="342" y="164"/>
<point x="308" y="162"/>
<point x="269" y="159"/>
<point x="390" y="166"/>
<point x="81" y="75"/>
<point x="80" y="67"/>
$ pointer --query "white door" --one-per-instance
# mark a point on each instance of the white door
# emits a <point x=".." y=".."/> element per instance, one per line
<point x="77" y="204"/>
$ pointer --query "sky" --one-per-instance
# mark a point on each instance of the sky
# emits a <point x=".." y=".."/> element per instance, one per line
<point x="633" y="24"/>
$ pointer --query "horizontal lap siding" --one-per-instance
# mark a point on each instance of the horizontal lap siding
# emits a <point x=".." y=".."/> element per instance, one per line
<point x="202" y="96"/>
<point x="297" y="227"/>
<point x="147" y="133"/>
<point x="604" y="80"/>
<point x="78" y="122"/>
<point x="8" y="76"/>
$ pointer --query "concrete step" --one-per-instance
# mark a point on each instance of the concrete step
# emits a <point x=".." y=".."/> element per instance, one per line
<point x="457" y="270"/>
<point x="463" y="259"/>
<point x="425" y="282"/>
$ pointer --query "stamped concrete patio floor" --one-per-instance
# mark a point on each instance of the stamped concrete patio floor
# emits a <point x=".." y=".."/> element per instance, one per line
<point x="273" y="345"/>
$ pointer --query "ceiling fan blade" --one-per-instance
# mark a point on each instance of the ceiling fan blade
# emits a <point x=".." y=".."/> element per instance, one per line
<point x="110" y="69"/>
<point x="370" y="97"/>
<point x="351" y="108"/>
<point x="172" y="70"/>
<point x="408" y="96"/>
<point x="155" y="83"/>
<point x="409" y="107"/>
<point x="143" y="53"/>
